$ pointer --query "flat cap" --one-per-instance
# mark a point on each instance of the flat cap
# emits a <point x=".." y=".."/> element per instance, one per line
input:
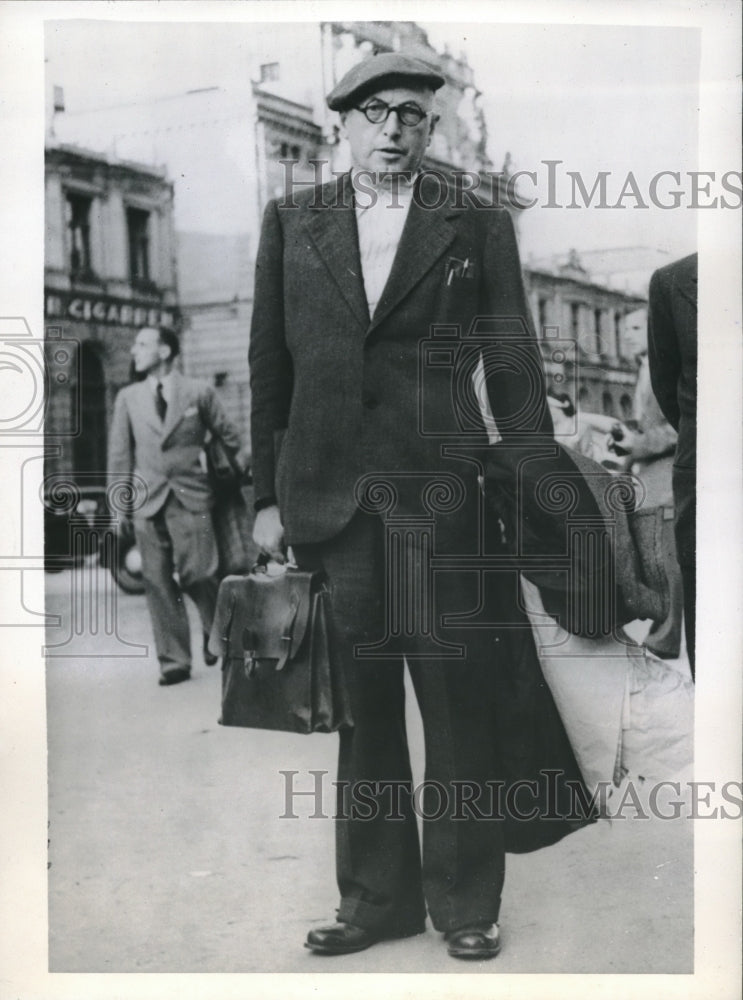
<point x="368" y="75"/>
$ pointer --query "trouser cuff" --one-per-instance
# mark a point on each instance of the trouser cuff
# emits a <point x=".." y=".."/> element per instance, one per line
<point x="457" y="921"/>
<point x="372" y="917"/>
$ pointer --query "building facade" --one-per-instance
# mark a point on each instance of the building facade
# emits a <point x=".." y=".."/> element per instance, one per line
<point x="109" y="268"/>
<point x="231" y="148"/>
<point x="583" y="328"/>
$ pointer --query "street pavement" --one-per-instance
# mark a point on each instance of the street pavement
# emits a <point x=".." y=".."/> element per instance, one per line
<point x="168" y="851"/>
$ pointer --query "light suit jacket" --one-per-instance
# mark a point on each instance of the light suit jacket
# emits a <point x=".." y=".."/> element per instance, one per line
<point x="654" y="445"/>
<point x="167" y="455"/>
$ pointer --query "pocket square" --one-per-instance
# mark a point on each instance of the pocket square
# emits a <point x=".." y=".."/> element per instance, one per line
<point x="458" y="269"/>
<point x="191" y="411"/>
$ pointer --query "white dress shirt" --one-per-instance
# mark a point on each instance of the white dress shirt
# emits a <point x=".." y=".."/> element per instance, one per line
<point x="380" y="219"/>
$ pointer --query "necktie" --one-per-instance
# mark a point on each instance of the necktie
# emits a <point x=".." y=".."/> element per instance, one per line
<point x="160" y="405"/>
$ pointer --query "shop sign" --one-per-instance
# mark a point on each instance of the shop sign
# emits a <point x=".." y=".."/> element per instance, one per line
<point x="106" y="309"/>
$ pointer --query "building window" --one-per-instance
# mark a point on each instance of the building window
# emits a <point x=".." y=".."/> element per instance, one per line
<point x="618" y="333"/>
<point x="89" y="446"/>
<point x="290" y="152"/>
<point x="625" y="404"/>
<point x="597" y="331"/>
<point x="542" y="312"/>
<point x="575" y="320"/>
<point x="607" y="401"/>
<point x="78" y="229"/>
<point x="584" y="398"/>
<point x="138" y="226"/>
<point x="270" y="72"/>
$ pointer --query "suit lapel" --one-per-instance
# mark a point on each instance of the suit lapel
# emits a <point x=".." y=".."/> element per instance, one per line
<point x="424" y="239"/>
<point x="333" y="231"/>
<point x="175" y="406"/>
<point x="334" y="234"/>
<point x="145" y="406"/>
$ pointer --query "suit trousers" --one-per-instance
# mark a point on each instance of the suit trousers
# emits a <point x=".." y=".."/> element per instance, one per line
<point x="383" y="885"/>
<point x="179" y="541"/>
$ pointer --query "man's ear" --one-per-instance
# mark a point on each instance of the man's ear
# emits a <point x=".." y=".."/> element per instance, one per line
<point x="434" y="119"/>
<point x="342" y="129"/>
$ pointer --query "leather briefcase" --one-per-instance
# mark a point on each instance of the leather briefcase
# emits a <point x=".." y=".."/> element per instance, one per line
<point x="278" y="670"/>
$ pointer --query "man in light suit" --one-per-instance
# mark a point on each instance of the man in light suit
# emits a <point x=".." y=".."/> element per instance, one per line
<point x="649" y="450"/>
<point x="672" y="355"/>
<point x="352" y="436"/>
<point x="158" y="432"/>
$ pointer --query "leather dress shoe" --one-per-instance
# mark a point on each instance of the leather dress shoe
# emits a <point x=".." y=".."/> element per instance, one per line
<point x="176" y="676"/>
<point x="209" y="658"/>
<point x="479" y="941"/>
<point x="344" y="939"/>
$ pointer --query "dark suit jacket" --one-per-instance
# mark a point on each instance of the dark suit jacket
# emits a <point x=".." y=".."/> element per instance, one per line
<point x="672" y="353"/>
<point x="168" y="456"/>
<point x="337" y="394"/>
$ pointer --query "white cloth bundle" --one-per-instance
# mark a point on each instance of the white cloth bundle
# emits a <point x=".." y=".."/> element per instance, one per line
<point x="624" y="710"/>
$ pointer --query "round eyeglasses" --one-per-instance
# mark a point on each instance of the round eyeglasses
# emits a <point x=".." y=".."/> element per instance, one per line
<point x="408" y="114"/>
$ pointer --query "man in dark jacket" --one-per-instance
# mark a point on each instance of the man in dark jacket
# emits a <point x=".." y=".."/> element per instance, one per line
<point x="386" y="308"/>
<point x="672" y="353"/>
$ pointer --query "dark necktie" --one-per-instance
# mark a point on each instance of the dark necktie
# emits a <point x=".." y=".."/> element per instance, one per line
<point x="160" y="405"/>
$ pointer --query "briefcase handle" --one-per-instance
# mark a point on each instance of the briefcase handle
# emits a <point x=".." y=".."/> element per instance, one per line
<point x="261" y="563"/>
<point x="264" y="559"/>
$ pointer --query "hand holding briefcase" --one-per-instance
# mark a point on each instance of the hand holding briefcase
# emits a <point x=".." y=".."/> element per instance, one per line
<point x="278" y="669"/>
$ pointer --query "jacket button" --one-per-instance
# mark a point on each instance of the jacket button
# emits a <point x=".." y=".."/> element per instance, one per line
<point x="370" y="402"/>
